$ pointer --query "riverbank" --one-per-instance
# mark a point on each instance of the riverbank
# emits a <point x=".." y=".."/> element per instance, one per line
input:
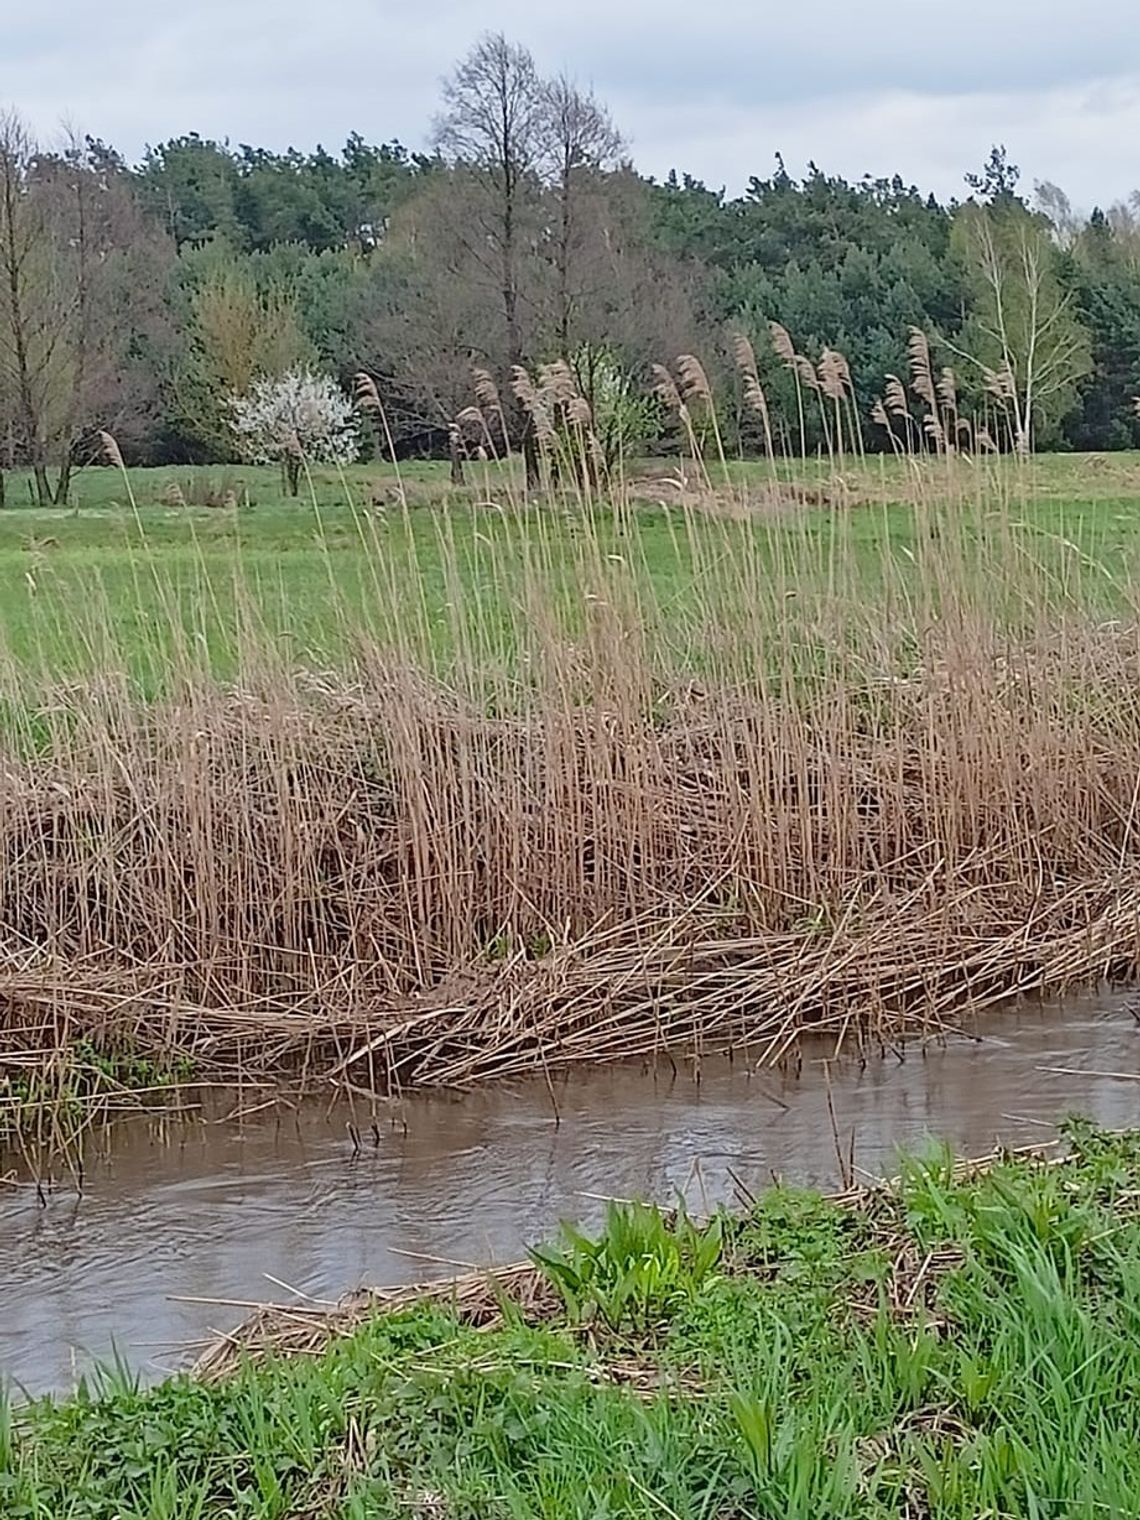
<point x="384" y="887"/>
<point x="961" y="1344"/>
<point x="583" y="785"/>
<point x="244" y="1188"/>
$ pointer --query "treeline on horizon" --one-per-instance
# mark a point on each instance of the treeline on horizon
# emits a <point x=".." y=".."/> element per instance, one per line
<point x="139" y="299"/>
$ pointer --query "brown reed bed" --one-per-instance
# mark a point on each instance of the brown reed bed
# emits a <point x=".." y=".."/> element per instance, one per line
<point x="803" y="792"/>
<point x="386" y="886"/>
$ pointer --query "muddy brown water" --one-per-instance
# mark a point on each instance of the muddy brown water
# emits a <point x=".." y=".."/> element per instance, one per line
<point x="217" y="1210"/>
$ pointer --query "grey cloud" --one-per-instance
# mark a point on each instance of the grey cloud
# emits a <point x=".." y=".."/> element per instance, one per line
<point x="780" y="53"/>
<point x="716" y="88"/>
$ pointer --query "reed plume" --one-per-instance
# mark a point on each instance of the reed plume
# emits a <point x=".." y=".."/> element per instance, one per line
<point x="1000" y="384"/>
<point x="754" y="395"/>
<point x="486" y="391"/>
<point x="556" y="383"/>
<point x="745" y="355"/>
<point x="922" y="379"/>
<point x="113" y="455"/>
<point x="785" y="350"/>
<point x="834" y="376"/>
<point x="578" y="412"/>
<point x="366" y="392"/>
<point x="533" y="401"/>
<point x="782" y="343"/>
<point x="806" y="371"/>
<point x="896" y="397"/>
<point x="111" y="451"/>
<point x="694" y="381"/>
<point x="665" y="389"/>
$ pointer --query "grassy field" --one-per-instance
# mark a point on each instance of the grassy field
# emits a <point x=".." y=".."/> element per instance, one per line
<point x="964" y="1346"/>
<point x="124" y="579"/>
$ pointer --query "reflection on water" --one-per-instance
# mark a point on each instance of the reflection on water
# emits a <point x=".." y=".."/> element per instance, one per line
<point x="214" y="1211"/>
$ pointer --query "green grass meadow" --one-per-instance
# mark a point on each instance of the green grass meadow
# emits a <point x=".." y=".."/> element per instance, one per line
<point x="123" y="580"/>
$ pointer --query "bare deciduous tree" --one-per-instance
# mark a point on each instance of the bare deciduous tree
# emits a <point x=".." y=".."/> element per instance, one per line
<point x="491" y="126"/>
<point x="438" y="315"/>
<point x="580" y="142"/>
<point x="26" y="348"/>
<point x="81" y="273"/>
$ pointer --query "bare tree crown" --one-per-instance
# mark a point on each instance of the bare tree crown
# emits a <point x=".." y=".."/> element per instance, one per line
<point x="492" y="109"/>
<point x="578" y="131"/>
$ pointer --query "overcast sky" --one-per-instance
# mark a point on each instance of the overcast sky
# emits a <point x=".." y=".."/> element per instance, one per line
<point x="714" y="88"/>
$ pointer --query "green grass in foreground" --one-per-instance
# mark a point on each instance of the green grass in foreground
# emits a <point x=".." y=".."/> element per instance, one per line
<point x="105" y="584"/>
<point x="968" y="1348"/>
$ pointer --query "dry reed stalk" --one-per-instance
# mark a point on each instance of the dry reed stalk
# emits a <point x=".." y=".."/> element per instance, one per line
<point x="698" y="392"/>
<point x="948" y="391"/>
<point x="665" y="388"/>
<point x="881" y="418"/>
<point x="367" y="395"/>
<point x="557" y="383"/>
<point x="806" y="371"/>
<point x="782" y="343"/>
<point x="111" y="451"/>
<point x="317" y="881"/>
<point x="835" y="382"/>
<point x="695" y="385"/>
<point x="113" y="455"/>
<point x="486" y="391"/>
<point x="922" y="376"/>
<point x="785" y="350"/>
<point x="896" y="397"/>
<point x="833" y="378"/>
<point x="535" y="402"/>
<point x="307" y="1329"/>
<point x="1000" y="384"/>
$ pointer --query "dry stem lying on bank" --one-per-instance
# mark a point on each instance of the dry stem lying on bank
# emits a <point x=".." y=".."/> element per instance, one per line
<point x="282" y="1330"/>
<point x="306" y="1329"/>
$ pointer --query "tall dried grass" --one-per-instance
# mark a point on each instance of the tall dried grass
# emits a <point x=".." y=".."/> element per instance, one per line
<point x="784" y="804"/>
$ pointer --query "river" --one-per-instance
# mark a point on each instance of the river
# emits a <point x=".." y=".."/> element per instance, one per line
<point x="178" y="1221"/>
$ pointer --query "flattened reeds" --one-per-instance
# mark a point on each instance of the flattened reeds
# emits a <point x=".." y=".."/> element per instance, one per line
<point x="305" y="1329"/>
<point x="386" y="885"/>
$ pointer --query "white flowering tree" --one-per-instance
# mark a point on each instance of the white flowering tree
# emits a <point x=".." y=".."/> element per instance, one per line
<point x="293" y="418"/>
